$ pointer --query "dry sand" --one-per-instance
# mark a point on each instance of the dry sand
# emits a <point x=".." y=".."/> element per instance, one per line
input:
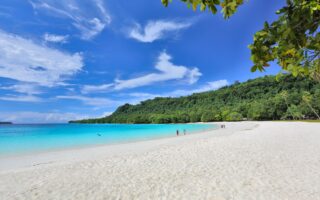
<point x="247" y="160"/>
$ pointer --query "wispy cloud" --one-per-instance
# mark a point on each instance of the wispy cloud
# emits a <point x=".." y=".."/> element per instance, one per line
<point x="90" y="19"/>
<point x="55" y="38"/>
<point x="23" y="88"/>
<point x="21" y="98"/>
<point x="156" y="30"/>
<point x="105" y="114"/>
<point x="96" y="88"/>
<point x="166" y="71"/>
<point x="41" y="117"/>
<point x="92" y="101"/>
<point x="137" y="97"/>
<point x="209" y="86"/>
<point x="23" y="60"/>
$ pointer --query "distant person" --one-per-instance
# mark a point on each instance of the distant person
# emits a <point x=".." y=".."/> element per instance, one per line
<point x="184" y="132"/>
<point x="177" y="132"/>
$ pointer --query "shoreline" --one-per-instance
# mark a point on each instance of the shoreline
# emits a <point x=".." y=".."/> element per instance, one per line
<point x="90" y="146"/>
<point x="20" y="161"/>
<point x="247" y="160"/>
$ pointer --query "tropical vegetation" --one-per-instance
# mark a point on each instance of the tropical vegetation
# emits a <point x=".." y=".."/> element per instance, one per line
<point x="263" y="98"/>
<point x="293" y="40"/>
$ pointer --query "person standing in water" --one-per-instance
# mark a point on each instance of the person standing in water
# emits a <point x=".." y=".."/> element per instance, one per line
<point x="184" y="132"/>
<point x="177" y="132"/>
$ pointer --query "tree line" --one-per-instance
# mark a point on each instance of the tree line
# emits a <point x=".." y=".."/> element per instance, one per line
<point x="263" y="98"/>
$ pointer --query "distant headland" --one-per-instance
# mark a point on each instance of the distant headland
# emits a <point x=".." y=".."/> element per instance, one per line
<point x="5" y="123"/>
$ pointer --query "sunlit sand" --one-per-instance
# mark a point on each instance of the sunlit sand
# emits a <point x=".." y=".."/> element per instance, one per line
<point x="247" y="160"/>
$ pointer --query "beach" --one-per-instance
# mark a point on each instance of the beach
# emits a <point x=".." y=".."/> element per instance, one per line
<point x="246" y="160"/>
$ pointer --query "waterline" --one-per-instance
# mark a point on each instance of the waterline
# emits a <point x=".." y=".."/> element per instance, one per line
<point x="22" y="139"/>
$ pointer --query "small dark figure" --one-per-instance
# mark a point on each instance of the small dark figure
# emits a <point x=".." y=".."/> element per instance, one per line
<point x="99" y="134"/>
<point x="184" y="132"/>
<point x="177" y="132"/>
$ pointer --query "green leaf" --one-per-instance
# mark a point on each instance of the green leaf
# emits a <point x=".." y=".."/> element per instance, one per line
<point x="254" y="68"/>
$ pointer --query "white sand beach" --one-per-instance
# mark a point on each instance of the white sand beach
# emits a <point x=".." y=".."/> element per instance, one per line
<point x="247" y="160"/>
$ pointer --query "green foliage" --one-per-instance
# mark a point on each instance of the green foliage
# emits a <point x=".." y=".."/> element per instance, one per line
<point x="229" y="7"/>
<point x="207" y="117"/>
<point x="257" y="111"/>
<point x="259" y="99"/>
<point x="293" y="40"/>
<point x="234" y="116"/>
<point x="293" y="112"/>
<point x="308" y="99"/>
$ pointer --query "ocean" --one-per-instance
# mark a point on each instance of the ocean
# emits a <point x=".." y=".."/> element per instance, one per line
<point x="28" y="138"/>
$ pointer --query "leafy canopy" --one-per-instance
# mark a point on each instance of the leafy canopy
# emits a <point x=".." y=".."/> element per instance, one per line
<point x="293" y="40"/>
<point x="259" y="99"/>
<point x="229" y="7"/>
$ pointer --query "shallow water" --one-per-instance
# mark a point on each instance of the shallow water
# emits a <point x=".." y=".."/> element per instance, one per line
<point x="20" y="139"/>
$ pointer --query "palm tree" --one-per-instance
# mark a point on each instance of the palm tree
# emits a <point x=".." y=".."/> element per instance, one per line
<point x="284" y="95"/>
<point x="307" y="98"/>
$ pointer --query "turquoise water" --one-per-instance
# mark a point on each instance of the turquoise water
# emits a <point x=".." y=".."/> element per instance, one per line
<point x="20" y="139"/>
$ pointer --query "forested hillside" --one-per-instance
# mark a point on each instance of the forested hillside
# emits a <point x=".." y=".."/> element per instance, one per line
<point x="260" y="99"/>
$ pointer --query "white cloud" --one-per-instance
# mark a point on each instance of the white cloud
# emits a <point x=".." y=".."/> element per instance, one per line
<point x="24" y="60"/>
<point x="143" y="95"/>
<point x="39" y="117"/>
<point x="96" y="88"/>
<point x="210" y="86"/>
<point x="23" y="88"/>
<point x="21" y="98"/>
<point x="155" y="30"/>
<point x="55" y="38"/>
<point x="168" y="71"/>
<point x="92" y="101"/>
<point x="105" y="114"/>
<point x="138" y="97"/>
<point x="89" y="18"/>
<point x="91" y="28"/>
<point x="214" y="85"/>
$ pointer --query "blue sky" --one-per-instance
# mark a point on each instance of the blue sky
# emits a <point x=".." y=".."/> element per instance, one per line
<point x="73" y="59"/>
